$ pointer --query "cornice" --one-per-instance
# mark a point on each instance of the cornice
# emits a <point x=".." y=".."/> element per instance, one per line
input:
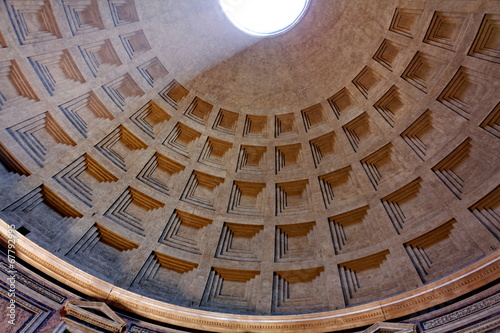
<point x="468" y="279"/>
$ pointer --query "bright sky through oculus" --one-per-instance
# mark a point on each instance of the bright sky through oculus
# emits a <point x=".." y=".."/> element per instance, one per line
<point x="264" y="17"/>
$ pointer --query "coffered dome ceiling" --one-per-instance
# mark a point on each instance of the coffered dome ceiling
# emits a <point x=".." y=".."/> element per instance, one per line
<point x="271" y="75"/>
<point x="164" y="155"/>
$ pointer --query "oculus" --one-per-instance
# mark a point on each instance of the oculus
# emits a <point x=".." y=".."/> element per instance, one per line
<point x="264" y="17"/>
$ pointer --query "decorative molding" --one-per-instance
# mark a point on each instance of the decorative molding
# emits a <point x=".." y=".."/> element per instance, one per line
<point x="383" y="327"/>
<point x="33" y="285"/>
<point x="478" y="274"/>
<point x="97" y="314"/>
<point x="462" y="313"/>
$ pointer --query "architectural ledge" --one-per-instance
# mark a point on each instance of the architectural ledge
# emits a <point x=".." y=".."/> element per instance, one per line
<point x="455" y="285"/>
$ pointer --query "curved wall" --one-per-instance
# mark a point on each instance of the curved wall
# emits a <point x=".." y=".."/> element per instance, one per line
<point x="351" y="160"/>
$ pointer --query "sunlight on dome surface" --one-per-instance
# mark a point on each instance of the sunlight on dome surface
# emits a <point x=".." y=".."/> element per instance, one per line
<point x="264" y="17"/>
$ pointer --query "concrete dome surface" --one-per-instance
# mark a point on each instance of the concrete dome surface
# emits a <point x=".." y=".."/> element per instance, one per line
<point x="344" y="172"/>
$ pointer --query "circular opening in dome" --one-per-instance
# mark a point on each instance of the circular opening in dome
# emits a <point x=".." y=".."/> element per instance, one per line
<point x="264" y="17"/>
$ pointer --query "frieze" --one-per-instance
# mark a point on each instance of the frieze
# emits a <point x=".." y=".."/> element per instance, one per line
<point x="138" y="329"/>
<point x="461" y="313"/>
<point x="34" y="285"/>
<point x="484" y="326"/>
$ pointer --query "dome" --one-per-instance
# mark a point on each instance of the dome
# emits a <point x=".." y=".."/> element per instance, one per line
<point x="341" y="172"/>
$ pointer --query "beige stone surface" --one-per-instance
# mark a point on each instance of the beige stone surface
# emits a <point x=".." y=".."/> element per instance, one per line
<point x="349" y="163"/>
